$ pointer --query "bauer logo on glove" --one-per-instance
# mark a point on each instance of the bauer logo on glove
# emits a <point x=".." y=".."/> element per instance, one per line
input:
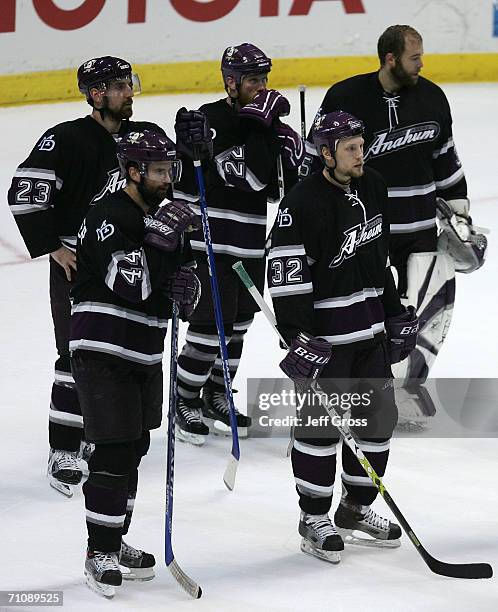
<point x="402" y="333"/>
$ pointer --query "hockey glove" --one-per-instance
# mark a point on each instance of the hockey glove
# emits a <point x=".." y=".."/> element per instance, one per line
<point x="193" y="134"/>
<point x="266" y="107"/>
<point x="291" y="146"/>
<point x="164" y="229"/>
<point x="402" y="333"/>
<point x="306" y="359"/>
<point x="184" y="288"/>
<point x="458" y="237"/>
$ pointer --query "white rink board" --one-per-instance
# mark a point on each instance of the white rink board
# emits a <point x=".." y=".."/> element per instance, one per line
<point x="31" y="41"/>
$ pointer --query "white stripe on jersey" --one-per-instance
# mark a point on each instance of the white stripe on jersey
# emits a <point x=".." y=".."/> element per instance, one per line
<point x="291" y="289"/>
<point x="119" y="311"/>
<point x="406" y="228"/>
<point x="348" y="300"/>
<point x="362" y="334"/>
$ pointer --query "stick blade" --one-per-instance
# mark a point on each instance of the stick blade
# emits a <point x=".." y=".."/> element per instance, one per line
<point x="187" y="584"/>
<point x="461" y="570"/>
<point x="231" y="473"/>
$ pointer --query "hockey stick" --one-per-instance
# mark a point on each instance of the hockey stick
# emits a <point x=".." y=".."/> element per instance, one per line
<point x="179" y="575"/>
<point x="231" y="469"/>
<point x="281" y="193"/>
<point x="302" y="107"/>
<point x="453" y="570"/>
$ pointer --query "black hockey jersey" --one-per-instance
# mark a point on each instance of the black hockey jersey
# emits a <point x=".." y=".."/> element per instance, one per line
<point x="72" y="167"/>
<point x="408" y="139"/>
<point x="119" y="308"/>
<point x="239" y="181"/>
<point x="328" y="271"/>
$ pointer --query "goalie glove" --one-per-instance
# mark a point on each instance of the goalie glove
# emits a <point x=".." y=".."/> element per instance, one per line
<point x="458" y="237"/>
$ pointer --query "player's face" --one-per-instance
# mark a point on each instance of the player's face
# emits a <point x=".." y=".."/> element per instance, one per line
<point x="407" y="67"/>
<point x="156" y="181"/>
<point x="349" y="157"/>
<point x="119" y="96"/>
<point x="250" y="86"/>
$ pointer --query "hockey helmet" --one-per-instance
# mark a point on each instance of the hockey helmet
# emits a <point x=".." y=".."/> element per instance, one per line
<point x="328" y="129"/>
<point x="242" y="60"/>
<point x="142" y="148"/>
<point x="100" y="71"/>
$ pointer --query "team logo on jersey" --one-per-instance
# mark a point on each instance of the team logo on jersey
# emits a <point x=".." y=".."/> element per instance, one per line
<point x="105" y="231"/>
<point x="47" y="143"/>
<point x="386" y="141"/>
<point x="284" y="218"/>
<point x="82" y="231"/>
<point x="114" y="183"/>
<point x="357" y="236"/>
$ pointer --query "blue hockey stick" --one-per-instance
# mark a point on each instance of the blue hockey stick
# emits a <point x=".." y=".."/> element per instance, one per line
<point x="231" y="469"/>
<point x="180" y="576"/>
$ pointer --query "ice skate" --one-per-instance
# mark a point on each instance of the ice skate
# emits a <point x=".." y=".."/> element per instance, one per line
<point x="102" y="572"/>
<point x="189" y="424"/>
<point x="63" y="470"/>
<point x="216" y="413"/>
<point x="351" y="518"/>
<point x="139" y="564"/>
<point x="320" y="538"/>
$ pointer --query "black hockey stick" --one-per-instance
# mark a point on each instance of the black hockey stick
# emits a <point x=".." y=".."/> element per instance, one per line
<point x="302" y="107"/>
<point x="180" y="576"/>
<point x="453" y="570"/>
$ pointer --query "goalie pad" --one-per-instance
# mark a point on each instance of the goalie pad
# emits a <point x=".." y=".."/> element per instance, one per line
<point x="458" y="238"/>
<point x="415" y="406"/>
<point x="431" y="289"/>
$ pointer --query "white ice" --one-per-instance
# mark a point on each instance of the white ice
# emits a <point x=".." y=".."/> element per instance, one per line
<point x="243" y="547"/>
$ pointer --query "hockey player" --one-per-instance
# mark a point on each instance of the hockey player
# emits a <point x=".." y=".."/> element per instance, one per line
<point x="72" y="167"/>
<point x="409" y="140"/>
<point x="337" y="307"/>
<point x="130" y="256"/>
<point x="247" y="135"/>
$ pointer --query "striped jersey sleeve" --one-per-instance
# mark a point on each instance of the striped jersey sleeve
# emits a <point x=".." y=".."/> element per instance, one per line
<point x="121" y="262"/>
<point x="289" y="275"/>
<point x="449" y="176"/>
<point x="32" y="194"/>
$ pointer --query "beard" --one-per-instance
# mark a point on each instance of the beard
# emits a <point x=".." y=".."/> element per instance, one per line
<point x="125" y="111"/>
<point x="152" y="197"/>
<point x="402" y="77"/>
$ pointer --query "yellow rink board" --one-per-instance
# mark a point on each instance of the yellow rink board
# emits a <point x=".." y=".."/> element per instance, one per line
<point x="60" y="85"/>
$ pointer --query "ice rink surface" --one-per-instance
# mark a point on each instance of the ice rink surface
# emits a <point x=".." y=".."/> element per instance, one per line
<point x="243" y="547"/>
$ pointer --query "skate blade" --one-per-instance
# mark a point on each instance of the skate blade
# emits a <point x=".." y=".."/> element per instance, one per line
<point x="105" y="590"/>
<point x="60" y="487"/>
<point x="190" y="438"/>
<point x="138" y="574"/>
<point x="218" y="428"/>
<point x="350" y="536"/>
<point x="331" y="556"/>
